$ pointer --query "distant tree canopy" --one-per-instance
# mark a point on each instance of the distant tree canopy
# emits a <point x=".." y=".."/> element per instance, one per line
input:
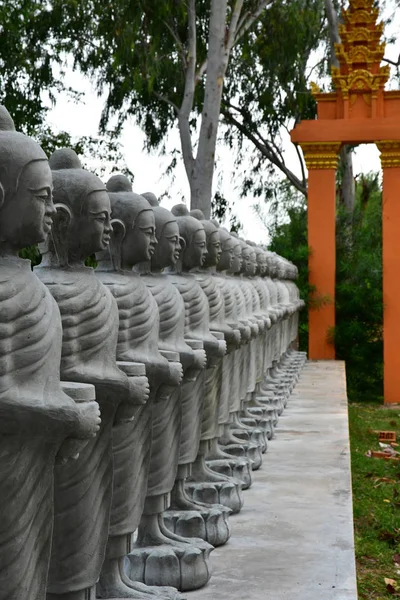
<point x="161" y="63"/>
<point x="358" y="334"/>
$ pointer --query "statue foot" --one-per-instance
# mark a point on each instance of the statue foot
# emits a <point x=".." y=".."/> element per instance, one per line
<point x="237" y="468"/>
<point x="153" y="532"/>
<point x="227" y="494"/>
<point x="154" y="592"/>
<point x="252" y="451"/>
<point x="181" y="565"/>
<point x="212" y="525"/>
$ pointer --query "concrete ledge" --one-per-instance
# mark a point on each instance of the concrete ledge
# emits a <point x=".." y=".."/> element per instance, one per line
<point x="293" y="540"/>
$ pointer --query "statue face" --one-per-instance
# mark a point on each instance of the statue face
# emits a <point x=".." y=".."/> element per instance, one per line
<point x="237" y="259"/>
<point x="199" y="247"/>
<point x="213" y="249"/>
<point x="253" y="263"/>
<point x="169" y="246"/>
<point x="227" y="255"/>
<point x="246" y="264"/>
<point x="261" y="263"/>
<point x="26" y="217"/>
<point x="195" y="255"/>
<point x="140" y="240"/>
<point x="90" y="231"/>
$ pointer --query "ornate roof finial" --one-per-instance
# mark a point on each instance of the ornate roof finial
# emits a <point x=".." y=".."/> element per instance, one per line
<point x="360" y="54"/>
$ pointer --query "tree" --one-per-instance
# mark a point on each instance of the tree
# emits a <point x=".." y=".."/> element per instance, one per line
<point x="358" y="334"/>
<point x="268" y="89"/>
<point x="165" y="63"/>
<point x="32" y="69"/>
<point x="347" y="188"/>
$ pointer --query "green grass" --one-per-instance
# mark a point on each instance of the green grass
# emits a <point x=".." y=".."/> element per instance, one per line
<point x="376" y="500"/>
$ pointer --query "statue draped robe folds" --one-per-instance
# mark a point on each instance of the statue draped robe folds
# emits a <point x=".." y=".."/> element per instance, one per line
<point x="35" y="417"/>
<point x="83" y="488"/>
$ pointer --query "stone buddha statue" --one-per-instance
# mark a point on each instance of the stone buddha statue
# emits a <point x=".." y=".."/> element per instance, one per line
<point x="158" y="424"/>
<point x="217" y="384"/>
<point x="205" y="484"/>
<point x="186" y="517"/>
<point x="38" y="420"/>
<point x="83" y="489"/>
<point x="193" y="358"/>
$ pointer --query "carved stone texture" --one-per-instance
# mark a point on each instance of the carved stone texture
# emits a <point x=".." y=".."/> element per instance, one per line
<point x="204" y="485"/>
<point x="187" y="518"/>
<point x="38" y="420"/>
<point x="219" y="376"/>
<point x="83" y="489"/>
<point x="158" y="425"/>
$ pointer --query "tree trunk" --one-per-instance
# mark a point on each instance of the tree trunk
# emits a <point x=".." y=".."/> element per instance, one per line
<point x="347" y="192"/>
<point x="203" y="168"/>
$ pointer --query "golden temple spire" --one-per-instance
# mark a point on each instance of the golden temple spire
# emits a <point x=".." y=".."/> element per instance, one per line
<point x="360" y="54"/>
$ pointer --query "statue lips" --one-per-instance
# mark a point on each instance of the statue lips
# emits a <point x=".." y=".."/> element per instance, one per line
<point x="47" y="224"/>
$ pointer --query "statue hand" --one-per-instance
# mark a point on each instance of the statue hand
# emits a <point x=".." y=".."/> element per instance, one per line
<point x="89" y="421"/>
<point x="139" y="390"/>
<point x="69" y="450"/>
<point x="222" y="347"/>
<point x="200" y="359"/>
<point x="125" y="413"/>
<point x="175" y="373"/>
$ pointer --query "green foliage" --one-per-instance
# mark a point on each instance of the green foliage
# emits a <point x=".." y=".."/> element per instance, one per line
<point x="359" y="305"/>
<point x="376" y="500"/>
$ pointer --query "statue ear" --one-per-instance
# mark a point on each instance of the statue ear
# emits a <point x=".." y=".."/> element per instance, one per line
<point x="183" y="244"/>
<point x="117" y="237"/>
<point x="59" y="233"/>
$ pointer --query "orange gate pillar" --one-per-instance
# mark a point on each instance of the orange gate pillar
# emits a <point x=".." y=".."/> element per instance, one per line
<point x="321" y="160"/>
<point x="390" y="159"/>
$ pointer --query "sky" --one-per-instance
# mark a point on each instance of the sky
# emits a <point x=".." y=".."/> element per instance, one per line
<point x="82" y="119"/>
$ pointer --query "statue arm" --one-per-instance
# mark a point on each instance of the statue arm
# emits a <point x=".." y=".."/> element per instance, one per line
<point x="28" y="416"/>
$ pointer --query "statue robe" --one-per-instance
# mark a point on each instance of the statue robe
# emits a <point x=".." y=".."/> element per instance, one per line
<point x="83" y="488"/>
<point x="217" y="380"/>
<point x="132" y="443"/>
<point x="230" y="386"/>
<point x="167" y="417"/>
<point x="200" y="421"/>
<point x="35" y="418"/>
<point x="242" y="360"/>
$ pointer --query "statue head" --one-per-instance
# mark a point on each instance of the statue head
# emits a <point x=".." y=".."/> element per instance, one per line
<point x="249" y="263"/>
<point x="82" y="225"/>
<point x="261" y="261"/>
<point x="227" y="250"/>
<point x="133" y="238"/>
<point x="193" y="238"/>
<point x="272" y="263"/>
<point x="26" y="205"/>
<point x="168" y="247"/>
<point x="237" y="261"/>
<point x="212" y="238"/>
<point x="151" y="198"/>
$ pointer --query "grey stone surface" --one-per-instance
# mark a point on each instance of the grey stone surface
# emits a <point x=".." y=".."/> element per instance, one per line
<point x="37" y="419"/>
<point x="293" y="540"/>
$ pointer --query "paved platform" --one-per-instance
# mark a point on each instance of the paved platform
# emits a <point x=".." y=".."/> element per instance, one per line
<point x="293" y="539"/>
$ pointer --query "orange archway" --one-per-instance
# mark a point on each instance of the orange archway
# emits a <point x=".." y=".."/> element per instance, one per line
<point x="359" y="111"/>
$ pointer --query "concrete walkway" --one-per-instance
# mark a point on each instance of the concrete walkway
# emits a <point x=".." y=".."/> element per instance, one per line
<point x="293" y="539"/>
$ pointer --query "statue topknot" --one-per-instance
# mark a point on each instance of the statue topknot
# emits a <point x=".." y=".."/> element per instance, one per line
<point x="6" y="121"/>
<point x="118" y="183"/>
<point x="180" y="210"/>
<point x="64" y="158"/>
<point x="151" y="198"/>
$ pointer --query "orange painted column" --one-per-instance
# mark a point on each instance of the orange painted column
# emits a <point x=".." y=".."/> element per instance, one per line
<point x="390" y="159"/>
<point x="321" y="160"/>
